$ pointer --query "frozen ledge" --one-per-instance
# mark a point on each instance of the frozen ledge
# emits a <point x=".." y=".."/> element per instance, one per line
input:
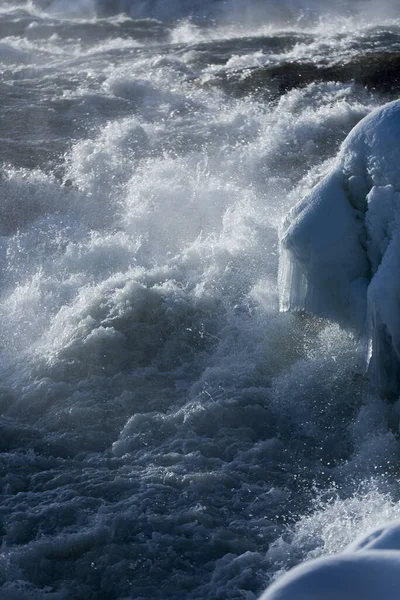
<point x="340" y="255"/>
<point x="369" y="569"/>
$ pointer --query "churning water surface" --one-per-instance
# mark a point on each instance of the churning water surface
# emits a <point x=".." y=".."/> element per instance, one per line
<point x="165" y="432"/>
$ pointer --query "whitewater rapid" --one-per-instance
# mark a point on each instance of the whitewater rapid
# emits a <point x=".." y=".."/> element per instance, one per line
<point x="165" y="431"/>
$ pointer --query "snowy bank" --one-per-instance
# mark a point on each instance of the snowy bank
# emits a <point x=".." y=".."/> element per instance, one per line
<point x="341" y="244"/>
<point x="368" y="569"/>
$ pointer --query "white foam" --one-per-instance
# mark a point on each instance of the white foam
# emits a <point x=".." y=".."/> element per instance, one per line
<point x="160" y="418"/>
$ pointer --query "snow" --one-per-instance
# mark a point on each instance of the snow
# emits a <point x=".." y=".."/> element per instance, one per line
<point x="368" y="569"/>
<point x="340" y="244"/>
<point x="340" y="260"/>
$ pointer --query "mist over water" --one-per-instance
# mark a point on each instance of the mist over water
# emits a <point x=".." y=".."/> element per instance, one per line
<point x="301" y="12"/>
<point x="165" y="432"/>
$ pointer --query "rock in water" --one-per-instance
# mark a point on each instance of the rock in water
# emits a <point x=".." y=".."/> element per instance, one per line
<point x="340" y="255"/>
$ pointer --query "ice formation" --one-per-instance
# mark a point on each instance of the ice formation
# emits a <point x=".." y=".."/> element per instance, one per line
<point x="368" y="569"/>
<point x="341" y="244"/>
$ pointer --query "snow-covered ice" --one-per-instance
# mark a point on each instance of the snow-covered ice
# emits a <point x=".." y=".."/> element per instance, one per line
<point x="340" y="245"/>
<point x="368" y="569"/>
<point x="340" y="260"/>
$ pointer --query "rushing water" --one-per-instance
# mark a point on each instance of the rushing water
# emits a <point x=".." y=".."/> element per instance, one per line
<point x="165" y="432"/>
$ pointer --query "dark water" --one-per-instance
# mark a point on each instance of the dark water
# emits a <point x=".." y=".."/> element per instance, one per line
<point x="165" y="432"/>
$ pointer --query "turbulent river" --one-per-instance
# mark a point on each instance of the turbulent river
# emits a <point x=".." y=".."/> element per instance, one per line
<point x="165" y="431"/>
